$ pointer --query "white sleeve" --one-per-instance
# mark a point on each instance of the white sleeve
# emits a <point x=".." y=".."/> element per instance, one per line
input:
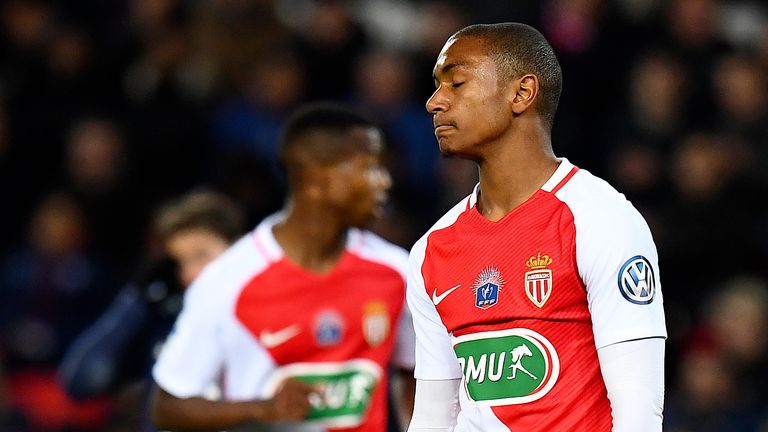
<point x="191" y="358"/>
<point x="633" y="372"/>
<point x="618" y="263"/>
<point x="435" y="358"/>
<point x="405" y="342"/>
<point x="436" y="406"/>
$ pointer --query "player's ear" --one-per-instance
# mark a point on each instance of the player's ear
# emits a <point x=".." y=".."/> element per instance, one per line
<point x="523" y="92"/>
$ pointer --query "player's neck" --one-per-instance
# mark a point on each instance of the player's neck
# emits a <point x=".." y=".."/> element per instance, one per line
<point x="313" y="240"/>
<point x="513" y="173"/>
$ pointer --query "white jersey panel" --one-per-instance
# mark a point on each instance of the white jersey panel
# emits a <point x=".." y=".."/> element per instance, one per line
<point x="247" y="364"/>
<point x="194" y="354"/>
<point x="435" y="358"/>
<point x="617" y="261"/>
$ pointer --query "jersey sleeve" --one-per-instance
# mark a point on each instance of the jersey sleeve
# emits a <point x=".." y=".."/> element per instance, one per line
<point x="618" y="264"/>
<point x="435" y="358"/>
<point x="191" y="358"/>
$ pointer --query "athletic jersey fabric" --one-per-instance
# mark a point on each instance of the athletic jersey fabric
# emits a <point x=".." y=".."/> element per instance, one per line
<point x="254" y="318"/>
<point x="517" y="308"/>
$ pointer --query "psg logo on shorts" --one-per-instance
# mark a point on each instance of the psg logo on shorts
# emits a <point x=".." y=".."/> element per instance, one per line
<point x="487" y="288"/>
<point x="637" y="282"/>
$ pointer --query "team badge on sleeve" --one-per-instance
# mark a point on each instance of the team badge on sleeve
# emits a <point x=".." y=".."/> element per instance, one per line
<point x="637" y="282"/>
<point x="538" y="281"/>
<point x="487" y="288"/>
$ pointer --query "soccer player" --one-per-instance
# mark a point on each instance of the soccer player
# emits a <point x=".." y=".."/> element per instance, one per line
<point x="297" y="320"/>
<point x="536" y="300"/>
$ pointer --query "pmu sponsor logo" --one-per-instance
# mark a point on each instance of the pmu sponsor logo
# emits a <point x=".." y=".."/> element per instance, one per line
<point x="507" y="367"/>
<point x="344" y="390"/>
<point x="637" y="281"/>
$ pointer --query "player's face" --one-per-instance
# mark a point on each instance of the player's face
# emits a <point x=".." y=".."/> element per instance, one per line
<point x="192" y="250"/>
<point x="470" y="106"/>
<point x="359" y="184"/>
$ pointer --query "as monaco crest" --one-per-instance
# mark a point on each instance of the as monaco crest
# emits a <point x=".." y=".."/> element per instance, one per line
<point x="538" y="281"/>
<point x="376" y="325"/>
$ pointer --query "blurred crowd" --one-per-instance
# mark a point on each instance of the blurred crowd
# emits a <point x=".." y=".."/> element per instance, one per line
<point x="110" y="108"/>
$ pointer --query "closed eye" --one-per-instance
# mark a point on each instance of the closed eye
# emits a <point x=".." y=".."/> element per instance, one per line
<point x="457" y="85"/>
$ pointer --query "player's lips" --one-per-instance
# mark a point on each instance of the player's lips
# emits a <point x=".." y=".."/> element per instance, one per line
<point x="440" y="128"/>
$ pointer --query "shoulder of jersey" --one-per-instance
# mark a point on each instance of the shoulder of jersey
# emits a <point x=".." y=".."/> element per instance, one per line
<point x="592" y="198"/>
<point x="226" y="274"/>
<point x="448" y="219"/>
<point x="374" y="248"/>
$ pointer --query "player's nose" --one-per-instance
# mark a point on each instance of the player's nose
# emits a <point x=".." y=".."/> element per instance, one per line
<point x="437" y="102"/>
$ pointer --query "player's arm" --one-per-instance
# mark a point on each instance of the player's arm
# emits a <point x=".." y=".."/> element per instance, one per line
<point x="618" y="263"/>
<point x="436" y="406"/>
<point x="192" y="360"/>
<point x="290" y="403"/>
<point x="633" y="372"/>
<point x="437" y="370"/>
<point x="109" y="352"/>
<point x="93" y="364"/>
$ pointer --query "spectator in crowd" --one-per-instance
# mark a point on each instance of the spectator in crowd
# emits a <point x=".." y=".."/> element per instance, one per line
<point x="120" y="347"/>
<point x="723" y="368"/>
<point x="50" y="290"/>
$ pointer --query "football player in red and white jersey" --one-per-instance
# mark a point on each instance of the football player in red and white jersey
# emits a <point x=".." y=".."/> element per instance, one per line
<point x="536" y="300"/>
<point x="297" y="321"/>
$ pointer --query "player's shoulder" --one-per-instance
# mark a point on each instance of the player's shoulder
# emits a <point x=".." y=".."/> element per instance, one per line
<point x="372" y="247"/>
<point x="227" y="274"/>
<point x="594" y="202"/>
<point x="447" y="220"/>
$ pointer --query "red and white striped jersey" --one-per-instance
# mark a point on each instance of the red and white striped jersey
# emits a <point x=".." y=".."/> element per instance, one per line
<point x="253" y="318"/>
<point x="517" y="308"/>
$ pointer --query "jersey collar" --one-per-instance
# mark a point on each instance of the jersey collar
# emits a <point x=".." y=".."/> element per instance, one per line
<point x="271" y="249"/>
<point x="560" y="173"/>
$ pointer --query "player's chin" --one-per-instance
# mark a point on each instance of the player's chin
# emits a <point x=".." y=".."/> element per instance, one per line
<point x="447" y="148"/>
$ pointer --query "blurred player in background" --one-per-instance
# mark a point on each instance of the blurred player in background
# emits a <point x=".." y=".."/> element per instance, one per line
<point x="298" y="321"/>
<point x="121" y="346"/>
<point x="536" y="299"/>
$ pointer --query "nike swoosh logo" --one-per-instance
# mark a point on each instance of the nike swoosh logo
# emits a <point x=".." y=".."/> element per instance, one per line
<point x="436" y="299"/>
<point x="272" y="339"/>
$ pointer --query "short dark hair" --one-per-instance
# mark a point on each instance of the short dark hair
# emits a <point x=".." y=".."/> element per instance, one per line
<point x="518" y="49"/>
<point x="205" y="210"/>
<point x="324" y="117"/>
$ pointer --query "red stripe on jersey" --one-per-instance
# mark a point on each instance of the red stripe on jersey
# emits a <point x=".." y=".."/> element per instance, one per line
<point x="262" y="248"/>
<point x="565" y="180"/>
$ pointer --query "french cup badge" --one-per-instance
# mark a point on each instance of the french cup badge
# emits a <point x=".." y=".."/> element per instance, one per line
<point x="487" y="287"/>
